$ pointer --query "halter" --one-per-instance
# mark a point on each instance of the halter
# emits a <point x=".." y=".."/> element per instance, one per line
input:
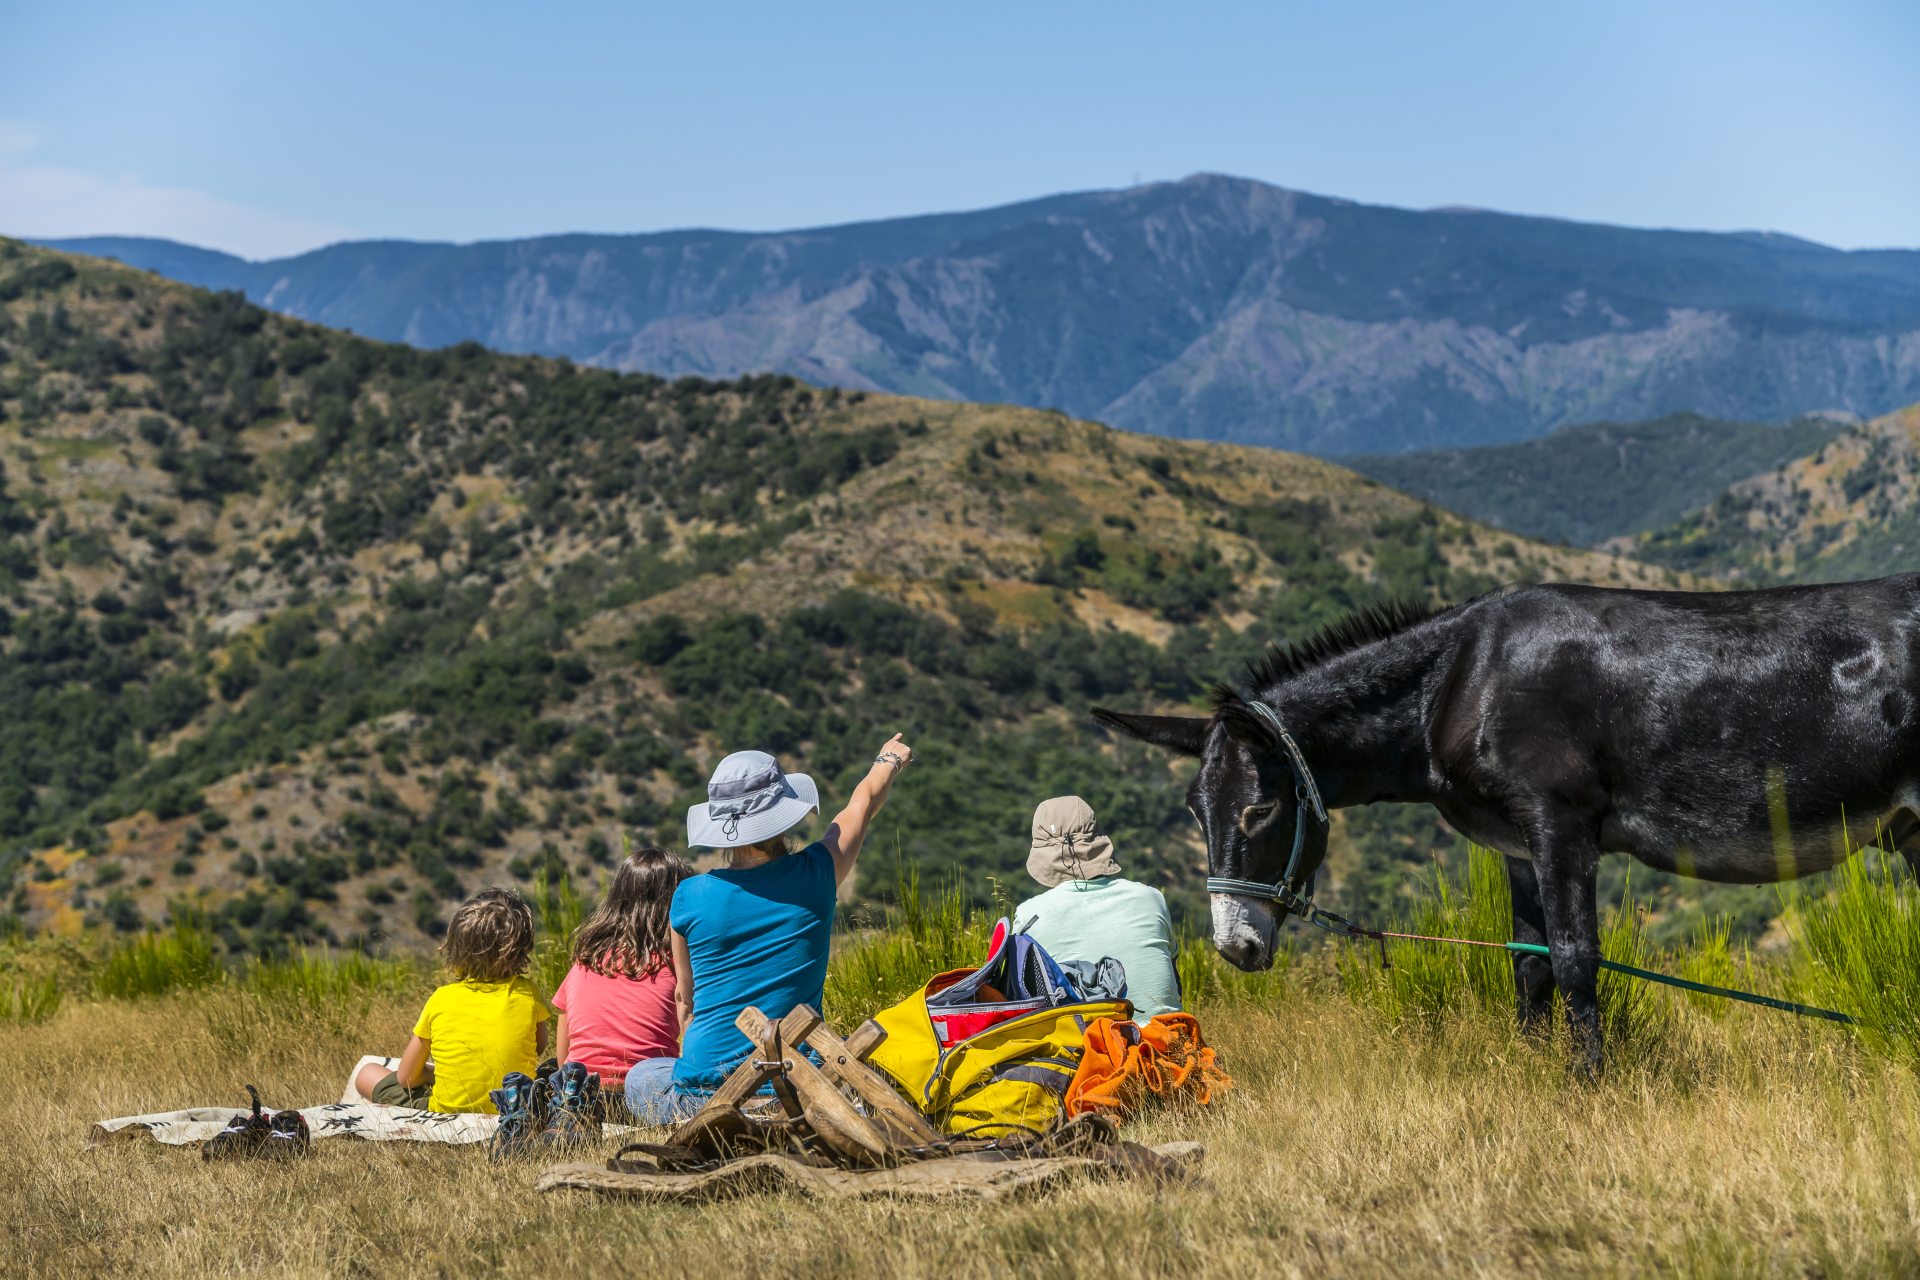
<point x="1307" y="807"/>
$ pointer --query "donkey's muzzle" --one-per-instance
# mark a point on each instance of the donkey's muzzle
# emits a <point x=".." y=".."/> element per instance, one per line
<point x="1243" y="931"/>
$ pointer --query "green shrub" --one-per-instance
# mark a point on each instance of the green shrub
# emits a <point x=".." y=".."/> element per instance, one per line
<point x="1708" y="958"/>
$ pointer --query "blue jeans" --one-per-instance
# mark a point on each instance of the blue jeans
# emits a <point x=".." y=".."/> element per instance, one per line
<point x="651" y="1095"/>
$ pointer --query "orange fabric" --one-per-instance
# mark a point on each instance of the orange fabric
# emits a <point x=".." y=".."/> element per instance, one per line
<point x="1125" y="1064"/>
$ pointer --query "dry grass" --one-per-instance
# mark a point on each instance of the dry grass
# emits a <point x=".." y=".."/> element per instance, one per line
<point x="1755" y="1145"/>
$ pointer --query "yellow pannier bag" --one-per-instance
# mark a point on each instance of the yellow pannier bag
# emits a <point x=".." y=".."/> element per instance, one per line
<point x="990" y="1052"/>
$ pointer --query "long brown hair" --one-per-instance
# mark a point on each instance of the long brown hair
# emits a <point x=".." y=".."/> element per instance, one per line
<point x="490" y="937"/>
<point x="627" y="934"/>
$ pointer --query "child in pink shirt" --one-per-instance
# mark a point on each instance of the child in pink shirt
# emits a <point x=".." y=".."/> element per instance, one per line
<point x="627" y="995"/>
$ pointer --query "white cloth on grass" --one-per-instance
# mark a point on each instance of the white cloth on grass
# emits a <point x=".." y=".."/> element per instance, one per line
<point x="351" y="1117"/>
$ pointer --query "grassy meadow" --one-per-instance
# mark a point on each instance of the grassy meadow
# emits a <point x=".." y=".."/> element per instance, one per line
<point x="1382" y="1120"/>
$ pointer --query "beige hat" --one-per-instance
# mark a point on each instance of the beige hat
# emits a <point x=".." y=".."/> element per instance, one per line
<point x="1068" y="843"/>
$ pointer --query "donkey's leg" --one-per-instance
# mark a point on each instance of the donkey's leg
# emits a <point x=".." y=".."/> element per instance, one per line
<point x="1532" y="975"/>
<point x="1566" y="862"/>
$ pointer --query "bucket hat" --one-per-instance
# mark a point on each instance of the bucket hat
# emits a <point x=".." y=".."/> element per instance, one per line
<point x="749" y="800"/>
<point x="1068" y="843"/>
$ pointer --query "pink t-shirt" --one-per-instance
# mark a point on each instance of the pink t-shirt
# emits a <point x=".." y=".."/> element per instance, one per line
<point x="612" y="1023"/>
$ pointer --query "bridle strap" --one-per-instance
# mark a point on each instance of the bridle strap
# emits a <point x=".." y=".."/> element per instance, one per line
<point x="1307" y="801"/>
<point x="1303" y="776"/>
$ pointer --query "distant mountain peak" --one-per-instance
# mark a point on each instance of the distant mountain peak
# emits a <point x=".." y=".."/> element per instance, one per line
<point x="1213" y="306"/>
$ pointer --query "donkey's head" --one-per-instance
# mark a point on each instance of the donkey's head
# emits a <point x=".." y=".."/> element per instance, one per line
<point x="1247" y="799"/>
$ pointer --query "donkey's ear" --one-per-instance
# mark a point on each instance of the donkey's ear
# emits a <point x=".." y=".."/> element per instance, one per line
<point x="1183" y="735"/>
<point x="1245" y="726"/>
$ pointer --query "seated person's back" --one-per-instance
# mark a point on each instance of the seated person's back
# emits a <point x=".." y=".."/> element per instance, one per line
<point x="480" y="1030"/>
<point x="754" y="933"/>
<point x="757" y="936"/>
<point x="487" y="1022"/>
<point x="1090" y="911"/>
<point x="624" y="999"/>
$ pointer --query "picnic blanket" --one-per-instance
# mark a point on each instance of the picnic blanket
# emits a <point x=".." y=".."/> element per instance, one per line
<point x="365" y="1120"/>
<point x="351" y="1117"/>
<point x="964" y="1169"/>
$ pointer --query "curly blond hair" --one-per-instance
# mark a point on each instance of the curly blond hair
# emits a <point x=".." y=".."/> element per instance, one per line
<point x="490" y="937"/>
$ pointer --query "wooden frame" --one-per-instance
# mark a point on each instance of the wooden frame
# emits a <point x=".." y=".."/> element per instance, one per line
<point x="846" y="1107"/>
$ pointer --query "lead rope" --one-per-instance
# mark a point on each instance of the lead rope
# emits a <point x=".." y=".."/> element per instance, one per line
<point x="1633" y="971"/>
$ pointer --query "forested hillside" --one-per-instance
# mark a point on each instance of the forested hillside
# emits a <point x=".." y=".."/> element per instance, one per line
<point x="1849" y="510"/>
<point x="1214" y="308"/>
<point x="310" y="634"/>
<point x="1604" y="480"/>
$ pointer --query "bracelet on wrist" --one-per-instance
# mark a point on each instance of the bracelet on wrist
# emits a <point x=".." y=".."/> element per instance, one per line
<point x="892" y="758"/>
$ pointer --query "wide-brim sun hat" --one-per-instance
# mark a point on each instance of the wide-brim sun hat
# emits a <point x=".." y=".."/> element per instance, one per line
<point x="1068" y="843"/>
<point x="749" y="799"/>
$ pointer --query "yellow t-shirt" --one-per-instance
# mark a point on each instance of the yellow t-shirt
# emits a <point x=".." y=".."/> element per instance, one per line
<point x="476" y="1032"/>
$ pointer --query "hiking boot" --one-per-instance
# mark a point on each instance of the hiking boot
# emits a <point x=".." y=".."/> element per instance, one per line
<point x="522" y="1103"/>
<point x="243" y="1136"/>
<point x="573" y="1107"/>
<point x="288" y="1137"/>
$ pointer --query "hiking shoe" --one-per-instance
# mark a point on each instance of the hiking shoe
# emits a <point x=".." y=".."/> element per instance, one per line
<point x="243" y="1136"/>
<point x="288" y="1137"/>
<point x="573" y="1107"/>
<point x="521" y="1101"/>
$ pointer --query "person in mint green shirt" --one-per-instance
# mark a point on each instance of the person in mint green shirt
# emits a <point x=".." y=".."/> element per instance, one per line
<point x="1090" y="911"/>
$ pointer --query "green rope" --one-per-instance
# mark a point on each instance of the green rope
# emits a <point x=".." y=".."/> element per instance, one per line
<point x="1535" y="949"/>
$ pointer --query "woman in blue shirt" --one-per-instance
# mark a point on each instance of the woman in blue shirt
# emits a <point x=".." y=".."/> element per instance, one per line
<point x="755" y="931"/>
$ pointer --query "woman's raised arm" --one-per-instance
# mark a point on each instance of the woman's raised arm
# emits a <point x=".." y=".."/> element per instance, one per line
<point x="849" y="829"/>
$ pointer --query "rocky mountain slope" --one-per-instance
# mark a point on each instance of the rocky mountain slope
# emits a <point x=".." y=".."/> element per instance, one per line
<point x="1212" y="308"/>
<point x="1849" y="510"/>
<point x="1603" y="480"/>
<point x="309" y="635"/>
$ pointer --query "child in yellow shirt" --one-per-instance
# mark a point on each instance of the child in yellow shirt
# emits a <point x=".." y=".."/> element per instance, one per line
<point x="485" y="1023"/>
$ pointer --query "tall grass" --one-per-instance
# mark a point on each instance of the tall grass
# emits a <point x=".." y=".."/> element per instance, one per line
<point x="1709" y="958"/>
<point x="185" y="957"/>
<point x="1423" y="980"/>
<point x="1206" y="979"/>
<point x="152" y="964"/>
<point x="925" y="934"/>
<point x="30" y="1000"/>
<point x="1856" y="947"/>
<point x="558" y="911"/>
<point x="1427" y="980"/>
<point x="322" y="978"/>
<point x="1634" y="1012"/>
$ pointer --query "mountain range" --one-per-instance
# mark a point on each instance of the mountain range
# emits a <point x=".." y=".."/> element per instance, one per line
<point x="1213" y="308"/>
<point x="307" y="635"/>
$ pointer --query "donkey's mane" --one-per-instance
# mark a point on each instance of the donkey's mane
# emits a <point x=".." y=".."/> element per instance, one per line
<point x="1362" y="626"/>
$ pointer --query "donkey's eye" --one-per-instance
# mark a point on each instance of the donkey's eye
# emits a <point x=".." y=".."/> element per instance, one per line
<point x="1255" y="816"/>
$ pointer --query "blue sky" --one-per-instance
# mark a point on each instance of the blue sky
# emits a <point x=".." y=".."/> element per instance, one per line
<point x="268" y="128"/>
